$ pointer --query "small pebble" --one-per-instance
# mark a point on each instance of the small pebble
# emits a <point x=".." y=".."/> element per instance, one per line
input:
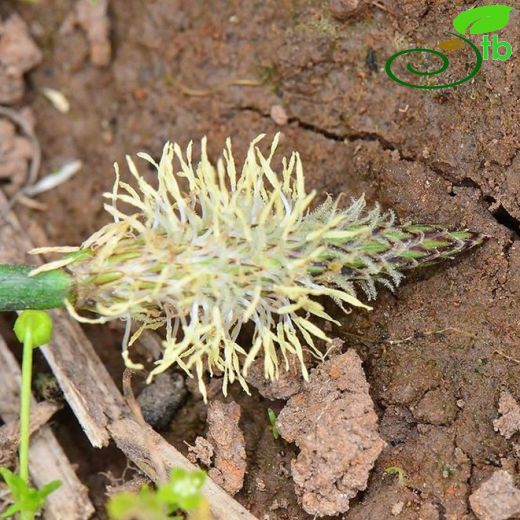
<point x="279" y="115"/>
<point x="397" y="508"/>
<point x="344" y="9"/>
<point x="161" y="399"/>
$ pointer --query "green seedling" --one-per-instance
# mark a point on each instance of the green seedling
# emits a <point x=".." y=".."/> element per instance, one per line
<point x="237" y="245"/>
<point x="33" y="329"/>
<point x="28" y="501"/>
<point x="396" y="470"/>
<point x="272" y="420"/>
<point x="181" y="494"/>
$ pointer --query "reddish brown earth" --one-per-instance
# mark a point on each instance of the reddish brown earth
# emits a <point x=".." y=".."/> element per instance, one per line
<point x="438" y="352"/>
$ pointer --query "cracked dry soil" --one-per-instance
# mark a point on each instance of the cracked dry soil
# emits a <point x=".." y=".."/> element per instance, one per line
<point x="439" y="351"/>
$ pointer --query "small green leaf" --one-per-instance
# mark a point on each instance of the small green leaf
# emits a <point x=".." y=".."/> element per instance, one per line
<point x="484" y="19"/>
<point x="184" y="488"/>
<point x="145" y="505"/>
<point x="38" y="323"/>
<point x="16" y="484"/>
<point x="272" y="419"/>
<point x="396" y="470"/>
<point x="49" y="488"/>
<point x="26" y="498"/>
<point x="181" y="492"/>
<point x="11" y="510"/>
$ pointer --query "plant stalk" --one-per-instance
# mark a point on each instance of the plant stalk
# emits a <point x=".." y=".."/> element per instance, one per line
<point x="25" y="405"/>
<point x="19" y="291"/>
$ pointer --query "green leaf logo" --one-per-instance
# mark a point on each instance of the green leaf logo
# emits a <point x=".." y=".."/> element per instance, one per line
<point x="480" y="20"/>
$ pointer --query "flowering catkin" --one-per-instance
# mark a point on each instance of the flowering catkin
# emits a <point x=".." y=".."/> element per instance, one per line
<point x="237" y="248"/>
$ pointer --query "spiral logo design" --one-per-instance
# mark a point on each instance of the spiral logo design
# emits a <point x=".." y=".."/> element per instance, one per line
<point x="445" y="64"/>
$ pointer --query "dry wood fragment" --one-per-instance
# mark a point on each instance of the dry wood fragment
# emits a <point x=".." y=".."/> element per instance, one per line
<point x="47" y="459"/>
<point x="91" y="392"/>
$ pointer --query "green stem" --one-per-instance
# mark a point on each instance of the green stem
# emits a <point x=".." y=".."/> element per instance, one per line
<point x="19" y="291"/>
<point x="25" y="405"/>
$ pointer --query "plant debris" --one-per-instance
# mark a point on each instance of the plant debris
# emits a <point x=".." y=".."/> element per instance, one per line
<point x="333" y="422"/>
<point x="18" y="55"/>
<point x="57" y="99"/>
<point x="497" y="498"/>
<point x="227" y="440"/>
<point x="54" y="179"/>
<point x="509" y="422"/>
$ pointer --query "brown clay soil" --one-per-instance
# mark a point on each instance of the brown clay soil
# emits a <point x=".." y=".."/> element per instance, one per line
<point x="438" y="352"/>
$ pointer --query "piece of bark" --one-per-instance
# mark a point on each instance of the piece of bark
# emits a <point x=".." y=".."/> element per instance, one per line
<point x="92" y="394"/>
<point x="10" y="433"/>
<point x="47" y="461"/>
<point x="18" y="55"/>
<point x="333" y="422"/>
<point x="509" y="422"/>
<point x="497" y="498"/>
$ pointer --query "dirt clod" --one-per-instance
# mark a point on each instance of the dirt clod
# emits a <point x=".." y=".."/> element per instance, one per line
<point x="18" y="55"/>
<point x="162" y="398"/>
<point x="15" y="153"/>
<point x="397" y="508"/>
<point x="201" y="451"/>
<point x="497" y="498"/>
<point x="436" y="407"/>
<point x="428" y="511"/>
<point x="509" y="422"/>
<point x="344" y="9"/>
<point x="333" y="422"/>
<point x="227" y="439"/>
<point x="288" y="383"/>
<point x="92" y="17"/>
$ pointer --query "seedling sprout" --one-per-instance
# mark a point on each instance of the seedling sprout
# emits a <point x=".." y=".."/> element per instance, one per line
<point x="33" y="329"/>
